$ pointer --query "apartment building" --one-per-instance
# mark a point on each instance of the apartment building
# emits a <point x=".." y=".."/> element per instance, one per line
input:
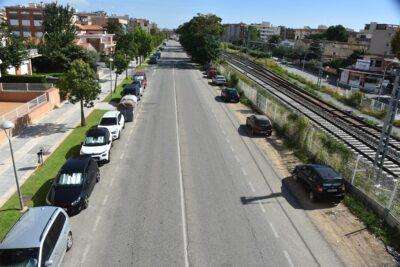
<point x="145" y="24"/>
<point x="25" y="21"/>
<point x="234" y="32"/>
<point x="267" y="30"/>
<point x="300" y="34"/>
<point x="95" y="36"/>
<point x="3" y="17"/>
<point x="287" y="33"/>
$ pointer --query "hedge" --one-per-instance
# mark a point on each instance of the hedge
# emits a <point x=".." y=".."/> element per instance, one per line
<point x="35" y="78"/>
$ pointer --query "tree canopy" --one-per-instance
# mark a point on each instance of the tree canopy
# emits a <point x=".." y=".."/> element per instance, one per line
<point x="200" y="36"/>
<point x="12" y="51"/>
<point x="395" y="43"/>
<point x="114" y="27"/>
<point x="337" y="33"/>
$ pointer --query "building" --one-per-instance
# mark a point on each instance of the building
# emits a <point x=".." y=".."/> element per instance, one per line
<point x="26" y="66"/>
<point x="123" y="20"/>
<point x="97" y="37"/>
<point x="341" y="50"/>
<point x="287" y="33"/>
<point x="378" y="38"/>
<point x="300" y="34"/>
<point x="234" y="33"/>
<point x="267" y="30"/>
<point x="25" y="21"/>
<point x="145" y="24"/>
<point x="3" y="17"/>
<point x="92" y="18"/>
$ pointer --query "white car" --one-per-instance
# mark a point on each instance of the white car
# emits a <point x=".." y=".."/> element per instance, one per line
<point x="97" y="144"/>
<point x="114" y="121"/>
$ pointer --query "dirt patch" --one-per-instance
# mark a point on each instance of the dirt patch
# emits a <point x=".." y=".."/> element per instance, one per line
<point x="345" y="233"/>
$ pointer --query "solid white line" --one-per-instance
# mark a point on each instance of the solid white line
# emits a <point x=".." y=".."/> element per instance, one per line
<point x="288" y="258"/>
<point x="251" y="187"/>
<point x="182" y="192"/>
<point x="96" y="223"/>
<point x="273" y="230"/>
<point x="112" y="180"/>
<point x="105" y="199"/>
<point x="244" y="171"/>
<point x="122" y="156"/>
<point x="85" y="252"/>
<point x="261" y="206"/>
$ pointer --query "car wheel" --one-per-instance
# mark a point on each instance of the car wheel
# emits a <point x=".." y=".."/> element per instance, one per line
<point x="86" y="203"/>
<point x="311" y="196"/>
<point x="98" y="177"/>
<point x="70" y="241"/>
<point x="252" y="132"/>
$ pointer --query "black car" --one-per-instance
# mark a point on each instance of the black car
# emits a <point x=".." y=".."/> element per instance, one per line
<point x="74" y="184"/>
<point x="153" y="60"/>
<point x="230" y="95"/>
<point x="321" y="181"/>
<point x="131" y="89"/>
<point x="259" y="124"/>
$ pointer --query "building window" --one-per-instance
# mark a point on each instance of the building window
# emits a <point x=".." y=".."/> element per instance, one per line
<point x="14" y="22"/>
<point x="24" y="12"/>
<point x="12" y="12"/>
<point x="37" y="23"/>
<point x="378" y="64"/>
<point x="26" y="22"/>
<point x="39" y="34"/>
<point x="27" y="34"/>
<point x="16" y="33"/>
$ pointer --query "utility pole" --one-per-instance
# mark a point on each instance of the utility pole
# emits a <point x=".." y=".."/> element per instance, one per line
<point x="387" y="128"/>
<point x="319" y="75"/>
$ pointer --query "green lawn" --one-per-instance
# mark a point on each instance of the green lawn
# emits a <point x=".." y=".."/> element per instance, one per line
<point x="116" y="96"/>
<point x="36" y="187"/>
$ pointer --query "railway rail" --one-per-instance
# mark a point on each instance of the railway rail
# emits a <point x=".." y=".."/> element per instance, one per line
<point x="359" y="136"/>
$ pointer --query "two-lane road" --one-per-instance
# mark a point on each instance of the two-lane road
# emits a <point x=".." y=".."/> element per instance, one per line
<point x="171" y="195"/>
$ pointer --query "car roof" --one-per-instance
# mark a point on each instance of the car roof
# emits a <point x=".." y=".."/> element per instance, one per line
<point x="261" y="117"/>
<point x="76" y="164"/>
<point x="140" y="73"/>
<point x="231" y="89"/>
<point x="27" y="231"/>
<point x="95" y="131"/>
<point x="111" y="114"/>
<point x="220" y="76"/>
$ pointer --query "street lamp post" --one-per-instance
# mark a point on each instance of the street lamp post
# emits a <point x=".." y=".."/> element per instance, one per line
<point x="111" y="82"/>
<point x="8" y="125"/>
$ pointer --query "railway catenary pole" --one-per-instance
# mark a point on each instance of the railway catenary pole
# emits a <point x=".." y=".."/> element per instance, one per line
<point x="387" y="128"/>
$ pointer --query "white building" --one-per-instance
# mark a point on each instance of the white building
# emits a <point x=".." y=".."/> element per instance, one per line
<point x="267" y="30"/>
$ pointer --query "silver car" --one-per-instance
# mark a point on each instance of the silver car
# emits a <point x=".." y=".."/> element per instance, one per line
<point x="219" y="80"/>
<point x="39" y="238"/>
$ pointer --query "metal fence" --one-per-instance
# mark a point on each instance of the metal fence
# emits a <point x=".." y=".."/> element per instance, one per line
<point x="25" y="86"/>
<point x="24" y="109"/>
<point x="360" y="173"/>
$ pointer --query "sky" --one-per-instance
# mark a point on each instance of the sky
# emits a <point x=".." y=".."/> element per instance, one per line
<point x="291" y="13"/>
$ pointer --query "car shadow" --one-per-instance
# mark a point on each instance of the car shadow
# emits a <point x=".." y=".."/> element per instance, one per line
<point x="39" y="198"/>
<point x="73" y="151"/>
<point x="243" y="130"/>
<point x="218" y="98"/>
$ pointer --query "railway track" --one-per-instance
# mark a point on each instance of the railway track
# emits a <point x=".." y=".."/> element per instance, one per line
<point x="359" y="136"/>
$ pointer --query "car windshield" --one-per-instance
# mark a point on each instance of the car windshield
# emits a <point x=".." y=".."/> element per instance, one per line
<point x="75" y="178"/>
<point x="220" y="77"/>
<point x="95" y="140"/>
<point x="328" y="174"/>
<point x="263" y="122"/>
<point x="25" y="257"/>
<point x="231" y="92"/>
<point x="108" y="121"/>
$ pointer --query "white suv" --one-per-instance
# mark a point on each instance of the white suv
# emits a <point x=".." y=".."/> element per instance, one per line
<point x="97" y="144"/>
<point x="114" y="121"/>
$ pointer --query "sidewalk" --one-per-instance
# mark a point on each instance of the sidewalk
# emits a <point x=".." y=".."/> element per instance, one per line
<point x="47" y="134"/>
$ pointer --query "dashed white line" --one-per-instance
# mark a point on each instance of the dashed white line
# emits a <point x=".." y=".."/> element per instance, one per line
<point x="223" y="132"/>
<point x="273" y="230"/>
<point x="105" y="199"/>
<point x="252" y="187"/>
<point x="261" y="206"/>
<point x="131" y="131"/>
<point x="122" y="156"/>
<point x="112" y="180"/>
<point x="233" y="150"/>
<point x="288" y="258"/>
<point x="227" y="140"/>
<point x="244" y="171"/>
<point x="237" y="159"/>
<point x="85" y="252"/>
<point x="96" y="223"/>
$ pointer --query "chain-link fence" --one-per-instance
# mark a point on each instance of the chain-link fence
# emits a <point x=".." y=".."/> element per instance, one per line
<point x="357" y="170"/>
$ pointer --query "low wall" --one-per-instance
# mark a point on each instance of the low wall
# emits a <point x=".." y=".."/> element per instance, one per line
<point x="14" y="96"/>
<point x="53" y="100"/>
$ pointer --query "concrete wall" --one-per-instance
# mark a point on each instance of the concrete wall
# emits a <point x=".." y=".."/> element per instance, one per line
<point x="18" y="96"/>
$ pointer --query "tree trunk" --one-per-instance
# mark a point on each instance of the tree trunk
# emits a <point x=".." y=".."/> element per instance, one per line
<point x="116" y="80"/>
<point x="83" y="122"/>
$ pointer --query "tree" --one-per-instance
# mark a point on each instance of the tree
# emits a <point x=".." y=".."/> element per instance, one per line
<point x="274" y="40"/>
<point x="12" y="50"/>
<point x="114" y="27"/>
<point x="127" y="45"/>
<point x="337" y="33"/>
<point x="396" y="44"/>
<point x="79" y="84"/>
<point x="143" y="40"/>
<point x="120" y="63"/>
<point x="315" y="51"/>
<point x="212" y="48"/>
<point x="253" y="34"/>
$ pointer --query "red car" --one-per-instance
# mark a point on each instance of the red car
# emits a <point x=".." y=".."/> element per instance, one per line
<point x="211" y="72"/>
<point x="141" y="76"/>
<point x="259" y="124"/>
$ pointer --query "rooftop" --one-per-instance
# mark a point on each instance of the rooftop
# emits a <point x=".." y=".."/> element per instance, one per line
<point x="89" y="27"/>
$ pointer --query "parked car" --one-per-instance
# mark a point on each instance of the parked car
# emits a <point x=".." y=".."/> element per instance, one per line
<point x="131" y="89"/>
<point x="41" y="237"/>
<point x="259" y="124"/>
<point x="114" y="121"/>
<point x="141" y="75"/>
<point x="97" y="144"/>
<point x="158" y="54"/>
<point x="74" y="184"/>
<point x="153" y="60"/>
<point x="219" y="80"/>
<point x="230" y="95"/>
<point x="127" y="107"/>
<point x="321" y="181"/>
<point x="211" y="72"/>
<point x="139" y="84"/>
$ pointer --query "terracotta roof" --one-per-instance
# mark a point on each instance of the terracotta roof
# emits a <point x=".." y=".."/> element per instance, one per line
<point x="89" y="27"/>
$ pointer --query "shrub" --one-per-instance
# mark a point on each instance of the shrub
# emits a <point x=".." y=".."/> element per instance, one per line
<point x="35" y="78"/>
<point x="233" y="81"/>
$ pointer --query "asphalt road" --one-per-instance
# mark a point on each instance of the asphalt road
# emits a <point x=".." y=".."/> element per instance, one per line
<point x="172" y="194"/>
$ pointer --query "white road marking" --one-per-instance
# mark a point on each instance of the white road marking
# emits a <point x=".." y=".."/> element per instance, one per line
<point x="244" y="171"/>
<point x="237" y="159"/>
<point x="233" y="150"/>
<point x="154" y="71"/>
<point x="105" y="199"/>
<point x="273" y="230"/>
<point x="252" y="187"/>
<point x="223" y="132"/>
<point x="182" y="192"/>
<point x="288" y="258"/>
<point x="261" y="206"/>
<point x="85" y="252"/>
<point x="96" y="223"/>
<point x="227" y="140"/>
<point x="122" y="156"/>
